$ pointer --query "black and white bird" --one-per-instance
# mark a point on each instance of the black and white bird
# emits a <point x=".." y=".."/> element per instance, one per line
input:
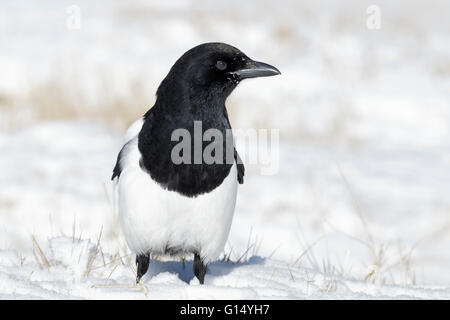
<point x="167" y="208"/>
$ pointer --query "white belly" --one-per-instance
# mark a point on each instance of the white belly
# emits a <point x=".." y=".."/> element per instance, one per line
<point x="153" y="218"/>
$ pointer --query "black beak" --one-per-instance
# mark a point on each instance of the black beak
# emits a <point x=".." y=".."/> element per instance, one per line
<point x="254" y="69"/>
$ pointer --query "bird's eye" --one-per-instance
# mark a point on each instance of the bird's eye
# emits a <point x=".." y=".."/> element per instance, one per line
<point x="221" y="65"/>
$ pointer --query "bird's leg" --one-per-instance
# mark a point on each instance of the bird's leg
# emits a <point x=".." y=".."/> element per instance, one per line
<point x="199" y="268"/>
<point x="142" y="262"/>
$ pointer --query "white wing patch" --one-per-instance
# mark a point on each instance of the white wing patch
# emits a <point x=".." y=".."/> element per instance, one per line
<point x="131" y="133"/>
<point x="133" y="130"/>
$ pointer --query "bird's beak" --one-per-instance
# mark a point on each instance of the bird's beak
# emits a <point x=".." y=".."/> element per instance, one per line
<point x="254" y="69"/>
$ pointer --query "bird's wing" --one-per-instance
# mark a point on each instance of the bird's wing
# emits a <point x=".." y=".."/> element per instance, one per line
<point x="131" y="133"/>
<point x="240" y="167"/>
<point x="134" y="129"/>
<point x="239" y="163"/>
<point x="117" y="168"/>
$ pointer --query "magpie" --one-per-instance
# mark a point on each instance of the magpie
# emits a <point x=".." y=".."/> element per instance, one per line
<point x="175" y="208"/>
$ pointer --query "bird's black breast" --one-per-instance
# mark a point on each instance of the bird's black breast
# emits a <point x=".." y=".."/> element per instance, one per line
<point x="189" y="179"/>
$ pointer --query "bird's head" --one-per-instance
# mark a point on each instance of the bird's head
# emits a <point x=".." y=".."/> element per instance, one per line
<point x="212" y="71"/>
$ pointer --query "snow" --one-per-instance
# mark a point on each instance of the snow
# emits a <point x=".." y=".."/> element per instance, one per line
<point x="295" y="235"/>
<point x="358" y="209"/>
<point x="257" y="278"/>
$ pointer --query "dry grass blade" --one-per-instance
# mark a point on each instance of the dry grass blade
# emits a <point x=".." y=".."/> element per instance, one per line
<point x="29" y="277"/>
<point x="93" y="255"/>
<point x="43" y="261"/>
<point x="244" y="255"/>
<point x="227" y="257"/>
<point x="112" y="261"/>
<point x="306" y="251"/>
<point x="73" y="229"/>
<point x="290" y="272"/>
<point x="110" y="274"/>
<point x="273" y="251"/>
<point x="359" y="212"/>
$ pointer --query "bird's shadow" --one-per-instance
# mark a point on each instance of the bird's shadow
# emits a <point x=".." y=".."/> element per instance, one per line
<point x="186" y="274"/>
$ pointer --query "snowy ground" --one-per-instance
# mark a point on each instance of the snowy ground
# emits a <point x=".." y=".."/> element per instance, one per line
<point x="326" y="226"/>
<point x="67" y="276"/>
<point x="360" y="205"/>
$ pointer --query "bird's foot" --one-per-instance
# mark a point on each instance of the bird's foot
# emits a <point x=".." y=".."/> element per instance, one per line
<point x="199" y="268"/>
<point x="142" y="263"/>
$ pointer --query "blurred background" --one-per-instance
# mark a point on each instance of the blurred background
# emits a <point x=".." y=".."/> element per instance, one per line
<point x="363" y="110"/>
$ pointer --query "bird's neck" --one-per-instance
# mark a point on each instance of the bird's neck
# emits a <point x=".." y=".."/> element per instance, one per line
<point x="191" y="105"/>
<point x="177" y="96"/>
